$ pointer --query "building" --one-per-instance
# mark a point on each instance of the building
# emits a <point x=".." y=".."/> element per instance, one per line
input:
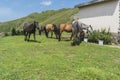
<point x="101" y="14"/>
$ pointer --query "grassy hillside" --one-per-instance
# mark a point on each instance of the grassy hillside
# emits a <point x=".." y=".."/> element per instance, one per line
<point x="49" y="59"/>
<point x="45" y="17"/>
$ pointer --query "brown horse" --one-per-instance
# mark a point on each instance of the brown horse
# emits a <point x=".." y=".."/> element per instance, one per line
<point x="51" y="28"/>
<point x="66" y="28"/>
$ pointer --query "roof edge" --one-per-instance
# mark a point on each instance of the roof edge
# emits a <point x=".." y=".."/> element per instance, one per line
<point x="90" y="3"/>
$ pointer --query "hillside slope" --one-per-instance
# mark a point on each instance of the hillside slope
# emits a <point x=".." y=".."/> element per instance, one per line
<point x="50" y="16"/>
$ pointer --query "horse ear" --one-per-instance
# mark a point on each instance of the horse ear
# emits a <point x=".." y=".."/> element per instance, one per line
<point x="91" y="27"/>
<point x="35" y="22"/>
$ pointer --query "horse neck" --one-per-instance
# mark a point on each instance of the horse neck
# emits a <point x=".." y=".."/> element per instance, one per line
<point x="34" y="26"/>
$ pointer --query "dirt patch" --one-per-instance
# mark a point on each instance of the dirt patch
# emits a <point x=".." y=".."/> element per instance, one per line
<point x="114" y="46"/>
<point x="117" y="60"/>
<point x="70" y="55"/>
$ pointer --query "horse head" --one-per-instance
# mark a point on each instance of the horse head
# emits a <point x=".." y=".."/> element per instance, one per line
<point x="36" y="25"/>
<point x="56" y="29"/>
<point x="57" y="32"/>
<point x="89" y="29"/>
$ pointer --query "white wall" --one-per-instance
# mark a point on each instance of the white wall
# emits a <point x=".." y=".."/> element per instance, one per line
<point x="103" y="15"/>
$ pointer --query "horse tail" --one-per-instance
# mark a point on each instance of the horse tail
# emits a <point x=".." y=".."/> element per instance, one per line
<point x="46" y="32"/>
<point x="54" y="25"/>
<point x="77" y="26"/>
<point x="58" y="33"/>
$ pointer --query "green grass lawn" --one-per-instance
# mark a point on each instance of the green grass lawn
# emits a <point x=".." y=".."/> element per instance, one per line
<point x="49" y="59"/>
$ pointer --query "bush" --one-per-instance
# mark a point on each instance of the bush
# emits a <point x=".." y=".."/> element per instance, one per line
<point x="104" y="35"/>
<point x="3" y="34"/>
<point x="19" y="32"/>
<point x="13" y="31"/>
<point x="6" y="34"/>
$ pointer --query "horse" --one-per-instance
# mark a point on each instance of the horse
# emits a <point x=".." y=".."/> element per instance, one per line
<point x="51" y="28"/>
<point x="66" y="28"/>
<point x="41" y="29"/>
<point x="28" y="29"/>
<point x="79" y="27"/>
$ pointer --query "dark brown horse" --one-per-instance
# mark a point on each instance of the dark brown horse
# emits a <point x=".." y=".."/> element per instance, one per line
<point x="66" y="28"/>
<point x="41" y="30"/>
<point x="51" y="28"/>
<point x="28" y="29"/>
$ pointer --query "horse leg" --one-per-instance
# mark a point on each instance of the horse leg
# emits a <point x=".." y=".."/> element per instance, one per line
<point x="56" y="35"/>
<point x="59" y="37"/>
<point x="47" y="34"/>
<point x="25" y="36"/>
<point x="78" y="35"/>
<point x="34" y="37"/>
<point x="74" y="34"/>
<point x="29" y="36"/>
<point x="71" y="36"/>
<point x="51" y="34"/>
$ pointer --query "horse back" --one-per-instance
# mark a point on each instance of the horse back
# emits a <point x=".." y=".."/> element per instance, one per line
<point x="61" y="27"/>
<point x="28" y="28"/>
<point x="49" y="27"/>
<point x="66" y="27"/>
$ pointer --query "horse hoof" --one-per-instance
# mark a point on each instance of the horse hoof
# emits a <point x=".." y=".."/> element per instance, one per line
<point x="73" y="44"/>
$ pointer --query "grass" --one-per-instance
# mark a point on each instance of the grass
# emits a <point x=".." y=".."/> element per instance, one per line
<point x="49" y="59"/>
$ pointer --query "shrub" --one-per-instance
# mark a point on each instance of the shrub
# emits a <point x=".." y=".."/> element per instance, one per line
<point x="104" y="35"/>
<point x="13" y="31"/>
<point x="3" y="34"/>
<point x="6" y="34"/>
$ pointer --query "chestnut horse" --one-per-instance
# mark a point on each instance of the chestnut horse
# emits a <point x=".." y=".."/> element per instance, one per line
<point x="66" y="28"/>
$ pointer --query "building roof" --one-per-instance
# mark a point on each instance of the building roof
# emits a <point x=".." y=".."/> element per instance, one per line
<point x="90" y="3"/>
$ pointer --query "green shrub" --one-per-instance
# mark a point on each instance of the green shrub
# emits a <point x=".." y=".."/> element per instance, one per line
<point x="104" y="35"/>
<point x="93" y="37"/>
<point x="19" y="32"/>
<point x="13" y="31"/>
<point x="6" y="34"/>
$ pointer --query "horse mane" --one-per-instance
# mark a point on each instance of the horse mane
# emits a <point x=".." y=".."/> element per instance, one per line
<point x="54" y="26"/>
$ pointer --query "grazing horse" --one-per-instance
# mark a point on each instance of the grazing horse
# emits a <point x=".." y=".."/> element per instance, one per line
<point x="78" y="27"/>
<point x="51" y="28"/>
<point x="28" y="29"/>
<point x="66" y="28"/>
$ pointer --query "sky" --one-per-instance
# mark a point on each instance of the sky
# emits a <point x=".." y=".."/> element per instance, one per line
<point x="13" y="9"/>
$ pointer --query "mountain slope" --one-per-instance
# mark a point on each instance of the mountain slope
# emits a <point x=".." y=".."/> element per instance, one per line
<point x="45" y="17"/>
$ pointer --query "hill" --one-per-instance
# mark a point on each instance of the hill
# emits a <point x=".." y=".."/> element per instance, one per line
<point x="50" y="16"/>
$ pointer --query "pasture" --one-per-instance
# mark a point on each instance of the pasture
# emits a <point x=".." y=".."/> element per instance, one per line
<point x="48" y="59"/>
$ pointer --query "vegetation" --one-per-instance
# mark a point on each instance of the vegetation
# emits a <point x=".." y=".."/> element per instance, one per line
<point x="13" y="31"/>
<point x="104" y="35"/>
<point x="45" y="17"/>
<point x="48" y="59"/>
